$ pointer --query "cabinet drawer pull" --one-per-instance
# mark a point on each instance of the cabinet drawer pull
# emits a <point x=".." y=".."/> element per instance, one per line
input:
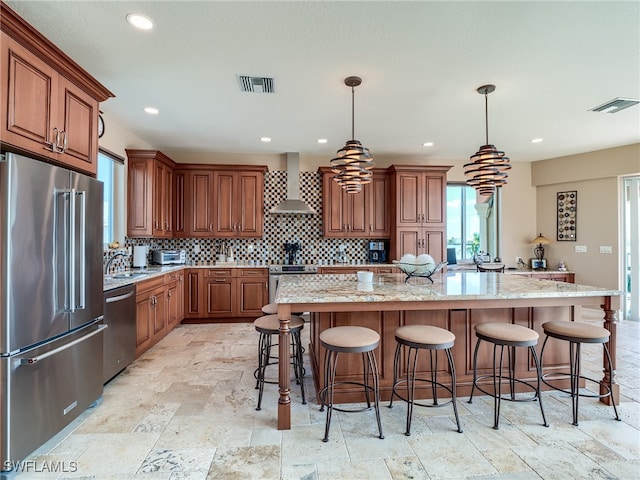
<point x="220" y="279"/>
<point x="63" y="147"/>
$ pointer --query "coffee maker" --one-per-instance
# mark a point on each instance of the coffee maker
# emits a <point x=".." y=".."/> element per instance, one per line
<point x="378" y="251"/>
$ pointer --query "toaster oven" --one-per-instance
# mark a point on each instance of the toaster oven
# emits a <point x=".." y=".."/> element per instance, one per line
<point x="169" y="257"/>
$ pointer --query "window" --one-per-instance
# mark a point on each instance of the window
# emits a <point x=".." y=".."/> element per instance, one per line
<point x="111" y="173"/>
<point x="463" y="222"/>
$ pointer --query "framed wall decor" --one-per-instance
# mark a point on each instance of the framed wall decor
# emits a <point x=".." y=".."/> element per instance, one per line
<point x="567" y="216"/>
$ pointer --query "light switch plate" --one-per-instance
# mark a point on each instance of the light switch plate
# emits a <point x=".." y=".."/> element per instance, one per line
<point x="606" y="249"/>
<point x="581" y="249"/>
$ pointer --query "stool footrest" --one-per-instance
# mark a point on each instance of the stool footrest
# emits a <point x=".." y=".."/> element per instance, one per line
<point x="557" y="376"/>
<point x="506" y="381"/>
<point x="325" y="391"/>
<point x="430" y="383"/>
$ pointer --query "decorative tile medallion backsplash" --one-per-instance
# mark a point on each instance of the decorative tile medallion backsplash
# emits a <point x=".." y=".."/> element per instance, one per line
<point x="278" y="229"/>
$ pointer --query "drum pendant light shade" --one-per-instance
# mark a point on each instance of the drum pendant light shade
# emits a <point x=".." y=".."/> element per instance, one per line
<point x="487" y="168"/>
<point x="353" y="164"/>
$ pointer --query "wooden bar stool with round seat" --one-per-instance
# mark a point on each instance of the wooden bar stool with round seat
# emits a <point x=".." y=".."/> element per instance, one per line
<point x="268" y="326"/>
<point x="416" y="338"/>
<point x="512" y="336"/>
<point x="577" y="333"/>
<point x="361" y="340"/>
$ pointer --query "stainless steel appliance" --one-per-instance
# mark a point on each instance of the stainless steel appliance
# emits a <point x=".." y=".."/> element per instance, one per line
<point x="169" y="257"/>
<point x="378" y="251"/>
<point x="277" y="271"/>
<point x="120" y="336"/>
<point x="50" y="301"/>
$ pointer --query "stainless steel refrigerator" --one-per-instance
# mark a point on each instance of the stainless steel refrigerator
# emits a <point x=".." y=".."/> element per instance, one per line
<point x="51" y="301"/>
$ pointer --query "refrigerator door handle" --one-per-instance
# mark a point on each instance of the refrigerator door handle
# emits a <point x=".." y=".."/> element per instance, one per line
<point x="72" y="251"/>
<point x="55" y="351"/>
<point x="83" y="251"/>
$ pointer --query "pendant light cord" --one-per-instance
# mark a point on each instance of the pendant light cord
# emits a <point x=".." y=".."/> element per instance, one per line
<point x="486" y="118"/>
<point x="353" y="103"/>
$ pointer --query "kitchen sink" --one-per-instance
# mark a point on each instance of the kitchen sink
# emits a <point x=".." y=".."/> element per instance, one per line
<point x="130" y="274"/>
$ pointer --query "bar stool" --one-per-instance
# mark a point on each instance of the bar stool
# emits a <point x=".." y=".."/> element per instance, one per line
<point x="338" y="340"/>
<point x="577" y="333"/>
<point x="506" y="335"/>
<point x="416" y="338"/>
<point x="268" y="326"/>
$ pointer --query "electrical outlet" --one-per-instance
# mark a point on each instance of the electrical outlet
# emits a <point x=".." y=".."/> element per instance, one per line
<point x="518" y="260"/>
<point x="606" y="249"/>
<point x="581" y="249"/>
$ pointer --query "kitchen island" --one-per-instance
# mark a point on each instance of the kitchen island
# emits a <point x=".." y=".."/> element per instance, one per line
<point x="456" y="301"/>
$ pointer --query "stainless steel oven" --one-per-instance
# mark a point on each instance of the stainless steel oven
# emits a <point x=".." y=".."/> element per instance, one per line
<point x="277" y="271"/>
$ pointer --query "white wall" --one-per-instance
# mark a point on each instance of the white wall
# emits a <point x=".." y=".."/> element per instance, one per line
<point x="595" y="176"/>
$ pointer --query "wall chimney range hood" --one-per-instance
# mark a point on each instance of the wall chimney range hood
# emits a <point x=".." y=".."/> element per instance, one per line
<point x="293" y="204"/>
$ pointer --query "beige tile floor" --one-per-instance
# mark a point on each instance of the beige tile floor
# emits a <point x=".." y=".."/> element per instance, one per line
<point x="186" y="410"/>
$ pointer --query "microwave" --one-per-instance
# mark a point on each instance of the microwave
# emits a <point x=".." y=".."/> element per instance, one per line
<point x="169" y="257"/>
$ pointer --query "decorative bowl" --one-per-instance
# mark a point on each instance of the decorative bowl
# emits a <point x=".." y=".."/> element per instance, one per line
<point x="419" y="269"/>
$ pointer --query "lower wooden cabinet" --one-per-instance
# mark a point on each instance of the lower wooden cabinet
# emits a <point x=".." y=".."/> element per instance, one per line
<point x="159" y="308"/>
<point x="567" y="277"/>
<point x="337" y="269"/>
<point x="219" y="293"/>
<point x="252" y="291"/>
<point x="225" y="292"/>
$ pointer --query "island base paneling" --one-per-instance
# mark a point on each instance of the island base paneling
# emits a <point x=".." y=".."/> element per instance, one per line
<point x="459" y="321"/>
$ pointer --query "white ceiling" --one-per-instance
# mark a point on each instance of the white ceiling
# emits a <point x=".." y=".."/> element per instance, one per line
<point x="421" y="63"/>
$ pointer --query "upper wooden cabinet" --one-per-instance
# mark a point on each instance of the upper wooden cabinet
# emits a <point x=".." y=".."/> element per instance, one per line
<point x="222" y="201"/>
<point x="49" y="106"/>
<point x="355" y="215"/>
<point x="193" y="202"/>
<point x="419" y="216"/>
<point x="150" y="185"/>
<point x="420" y="195"/>
<point x="238" y="202"/>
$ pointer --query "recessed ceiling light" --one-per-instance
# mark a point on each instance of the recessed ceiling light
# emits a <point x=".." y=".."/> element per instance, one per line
<point x="537" y="140"/>
<point x="322" y="140"/>
<point x="427" y="144"/>
<point x="265" y="139"/>
<point x="151" y="110"/>
<point x="140" y="21"/>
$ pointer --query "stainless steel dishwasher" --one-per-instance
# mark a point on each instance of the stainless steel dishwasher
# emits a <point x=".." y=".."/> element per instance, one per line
<point x="120" y="336"/>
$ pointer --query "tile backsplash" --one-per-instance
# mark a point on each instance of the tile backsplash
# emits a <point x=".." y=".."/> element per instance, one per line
<point x="278" y="229"/>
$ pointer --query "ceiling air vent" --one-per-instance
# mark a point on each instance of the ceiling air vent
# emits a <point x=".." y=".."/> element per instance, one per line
<point x="256" y="84"/>
<point x="615" y="105"/>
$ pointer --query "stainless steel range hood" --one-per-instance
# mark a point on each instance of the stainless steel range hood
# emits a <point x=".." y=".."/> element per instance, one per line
<point x="293" y="204"/>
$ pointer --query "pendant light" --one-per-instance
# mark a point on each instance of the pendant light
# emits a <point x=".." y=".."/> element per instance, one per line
<point x="487" y="168"/>
<point x="353" y="164"/>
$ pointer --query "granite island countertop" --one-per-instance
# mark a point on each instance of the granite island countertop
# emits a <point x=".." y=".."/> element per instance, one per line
<point x="450" y="286"/>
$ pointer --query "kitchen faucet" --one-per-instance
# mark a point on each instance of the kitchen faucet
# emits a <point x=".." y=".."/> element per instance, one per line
<point x="110" y="261"/>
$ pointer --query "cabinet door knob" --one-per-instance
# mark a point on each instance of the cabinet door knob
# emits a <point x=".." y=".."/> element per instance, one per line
<point x="210" y="227"/>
